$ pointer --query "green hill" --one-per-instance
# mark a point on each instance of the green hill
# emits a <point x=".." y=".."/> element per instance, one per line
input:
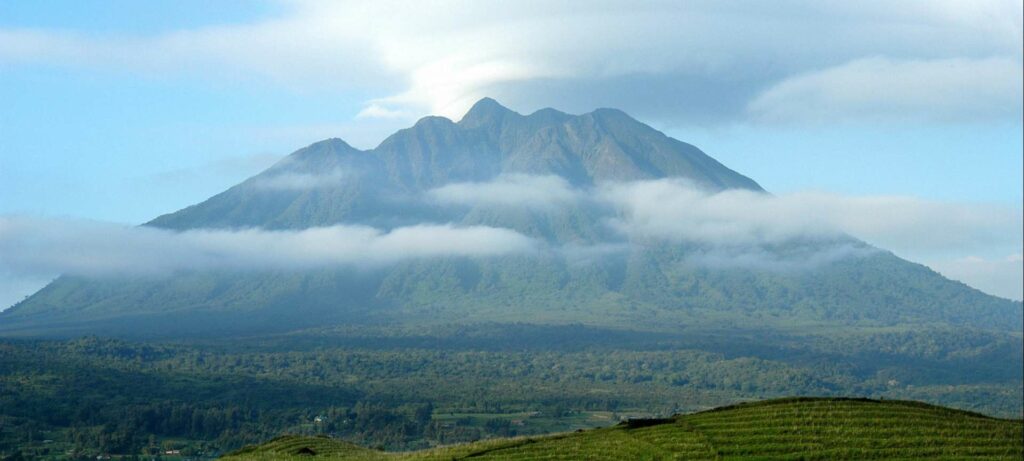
<point x="802" y="428"/>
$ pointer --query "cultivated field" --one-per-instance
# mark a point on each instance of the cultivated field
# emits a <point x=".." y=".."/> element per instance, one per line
<point x="792" y="429"/>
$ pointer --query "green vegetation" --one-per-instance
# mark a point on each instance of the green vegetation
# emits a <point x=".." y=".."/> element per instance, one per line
<point x="785" y="429"/>
<point x="439" y="351"/>
<point x="396" y="390"/>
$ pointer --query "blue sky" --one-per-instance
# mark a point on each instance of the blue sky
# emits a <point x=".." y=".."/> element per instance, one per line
<point x="120" y="111"/>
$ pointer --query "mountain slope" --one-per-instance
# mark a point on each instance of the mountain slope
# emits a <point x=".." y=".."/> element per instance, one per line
<point x="591" y="275"/>
<point x="777" y="429"/>
<point x="366" y="187"/>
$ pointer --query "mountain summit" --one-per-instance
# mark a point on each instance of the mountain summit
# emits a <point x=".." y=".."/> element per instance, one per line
<point x="589" y="273"/>
<point x="489" y="141"/>
<point x="486" y="112"/>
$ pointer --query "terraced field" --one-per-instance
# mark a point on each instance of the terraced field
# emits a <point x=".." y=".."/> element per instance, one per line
<point x="786" y="429"/>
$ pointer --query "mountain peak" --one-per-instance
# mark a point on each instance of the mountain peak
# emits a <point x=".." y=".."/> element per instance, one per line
<point x="432" y="121"/>
<point x="332" y="143"/>
<point x="610" y="112"/>
<point x="607" y="115"/>
<point x="485" y="111"/>
<point x="549" y="112"/>
<point x="321" y="151"/>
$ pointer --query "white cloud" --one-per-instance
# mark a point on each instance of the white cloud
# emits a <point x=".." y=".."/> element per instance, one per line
<point x="887" y="89"/>
<point x="737" y="224"/>
<point x="999" y="276"/>
<point x="913" y="225"/>
<point x="33" y="247"/>
<point x="675" y="209"/>
<point x="513" y="190"/>
<point x="379" y="111"/>
<point x="738" y="228"/>
<point x="733" y="228"/>
<point x="689" y="60"/>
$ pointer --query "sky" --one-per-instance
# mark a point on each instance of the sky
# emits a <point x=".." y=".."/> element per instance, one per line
<point x="115" y="112"/>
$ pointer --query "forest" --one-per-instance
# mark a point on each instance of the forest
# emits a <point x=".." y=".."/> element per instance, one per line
<point x="389" y="389"/>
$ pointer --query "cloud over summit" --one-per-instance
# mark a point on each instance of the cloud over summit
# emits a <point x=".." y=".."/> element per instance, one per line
<point x="676" y="61"/>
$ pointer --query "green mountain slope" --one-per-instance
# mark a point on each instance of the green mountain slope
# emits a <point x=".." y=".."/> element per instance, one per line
<point x="647" y="285"/>
<point x="855" y="429"/>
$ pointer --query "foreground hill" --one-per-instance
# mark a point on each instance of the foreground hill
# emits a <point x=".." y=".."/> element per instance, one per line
<point x="777" y="429"/>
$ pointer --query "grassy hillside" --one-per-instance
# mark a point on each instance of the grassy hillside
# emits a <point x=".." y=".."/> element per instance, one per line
<point x="776" y="429"/>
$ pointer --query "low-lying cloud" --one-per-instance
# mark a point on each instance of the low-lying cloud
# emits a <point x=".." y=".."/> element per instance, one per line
<point x="34" y="246"/>
<point x="726" y="229"/>
<point x="677" y="210"/>
<point x="739" y="228"/>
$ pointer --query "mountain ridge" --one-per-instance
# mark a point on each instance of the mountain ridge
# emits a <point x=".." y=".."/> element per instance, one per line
<point x="651" y="285"/>
<point x="491" y="140"/>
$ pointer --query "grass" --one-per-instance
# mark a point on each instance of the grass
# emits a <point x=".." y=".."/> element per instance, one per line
<point x="784" y="429"/>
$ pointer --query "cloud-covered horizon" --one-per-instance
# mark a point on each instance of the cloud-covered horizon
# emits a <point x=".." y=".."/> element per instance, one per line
<point x="701" y="62"/>
<point x="729" y="229"/>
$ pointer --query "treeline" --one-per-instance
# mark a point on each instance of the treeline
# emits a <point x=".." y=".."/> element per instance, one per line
<point x="94" y="396"/>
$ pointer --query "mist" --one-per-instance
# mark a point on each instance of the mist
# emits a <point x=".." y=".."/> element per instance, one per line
<point x="40" y="246"/>
<point x="726" y="229"/>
